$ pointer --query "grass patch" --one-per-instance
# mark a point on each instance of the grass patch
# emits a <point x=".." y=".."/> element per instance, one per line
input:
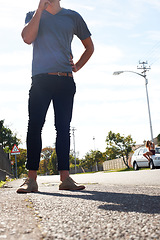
<point x="115" y="170"/>
<point x="120" y="170"/>
<point x="125" y="170"/>
<point x="144" y="168"/>
<point x="2" y="183"/>
<point x="85" y="172"/>
<point x="106" y="171"/>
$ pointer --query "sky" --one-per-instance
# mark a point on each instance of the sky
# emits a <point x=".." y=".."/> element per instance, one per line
<point x="124" y="33"/>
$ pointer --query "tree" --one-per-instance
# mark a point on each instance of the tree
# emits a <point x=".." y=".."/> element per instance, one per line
<point x="42" y="167"/>
<point x="87" y="162"/>
<point x="119" y="146"/>
<point x="53" y="165"/>
<point x="112" y="152"/>
<point x="92" y="158"/>
<point x="45" y="158"/>
<point x="72" y="159"/>
<point x="46" y="153"/>
<point x="98" y="157"/>
<point x="7" y="137"/>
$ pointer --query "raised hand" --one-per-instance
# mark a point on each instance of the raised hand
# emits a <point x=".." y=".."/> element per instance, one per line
<point x="43" y="4"/>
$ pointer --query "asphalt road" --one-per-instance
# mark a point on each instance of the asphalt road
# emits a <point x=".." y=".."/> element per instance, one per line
<point x="113" y="206"/>
<point x="133" y="178"/>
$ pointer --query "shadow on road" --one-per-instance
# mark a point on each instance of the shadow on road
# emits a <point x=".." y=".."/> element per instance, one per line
<point x="122" y="202"/>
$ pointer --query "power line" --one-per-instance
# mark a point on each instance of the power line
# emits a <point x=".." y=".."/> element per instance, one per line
<point x="153" y="49"/>
<point x="153" y="55"/>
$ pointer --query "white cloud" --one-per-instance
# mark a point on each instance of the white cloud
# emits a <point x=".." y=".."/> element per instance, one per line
<point x="153" y="35"/>
<point x="15" y="58"/>
<point x="105" y="54"/>
<point x="154" y="3"/>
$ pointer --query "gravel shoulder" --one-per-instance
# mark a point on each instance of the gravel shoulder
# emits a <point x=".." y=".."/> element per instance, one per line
<point x="17" y="215"/>
<point x="101" y="211"/>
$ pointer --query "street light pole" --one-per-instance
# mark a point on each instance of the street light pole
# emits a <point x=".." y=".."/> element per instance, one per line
<point x="149" y="113"/>
<point x="94" y="143"/>
<point x="146" y="83"/>
<point x="94" y="153"/>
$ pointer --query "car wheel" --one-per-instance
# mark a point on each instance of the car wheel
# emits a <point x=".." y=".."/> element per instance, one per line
<point x="151" y="165"/>
<point x="135" y="166"/>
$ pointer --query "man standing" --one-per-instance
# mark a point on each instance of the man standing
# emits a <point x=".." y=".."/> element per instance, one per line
<point x="51" y="29"/>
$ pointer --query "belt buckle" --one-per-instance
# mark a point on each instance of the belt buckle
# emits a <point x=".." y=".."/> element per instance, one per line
<point x="59" y="74"/>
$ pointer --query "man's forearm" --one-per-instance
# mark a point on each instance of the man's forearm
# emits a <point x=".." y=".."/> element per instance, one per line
<point x="84" y="58"/>
<point x="89" y="49"/>
<point x="30" y="31"/>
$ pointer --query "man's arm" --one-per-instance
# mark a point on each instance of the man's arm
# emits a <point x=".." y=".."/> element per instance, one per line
<point x="89" y="49"/>
<point x="30" y="31"/>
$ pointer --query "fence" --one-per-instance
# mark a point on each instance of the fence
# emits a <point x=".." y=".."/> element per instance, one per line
<point x="82" y="170"/>
<point x="107" y="165"/>
<point x="114" y="164"/>
<point x="5" y="165"/>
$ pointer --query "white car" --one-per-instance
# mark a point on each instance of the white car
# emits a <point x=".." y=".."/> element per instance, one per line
<point x="138" y="160"/>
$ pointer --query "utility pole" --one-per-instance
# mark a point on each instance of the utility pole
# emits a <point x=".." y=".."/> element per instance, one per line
<point x="74" y="149"/>
<point x="94" y="153"/>
<point x="142" y="66"/>
<point x="94" y="143"/>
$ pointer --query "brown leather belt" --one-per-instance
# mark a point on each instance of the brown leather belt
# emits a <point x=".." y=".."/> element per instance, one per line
<point x="62" y="74"/>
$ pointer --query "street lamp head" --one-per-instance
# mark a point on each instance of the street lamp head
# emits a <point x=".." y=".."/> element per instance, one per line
<point x="117" y="72"/>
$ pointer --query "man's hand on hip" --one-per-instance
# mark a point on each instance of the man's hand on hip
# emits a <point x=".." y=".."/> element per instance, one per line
<point x="74" y="66"/>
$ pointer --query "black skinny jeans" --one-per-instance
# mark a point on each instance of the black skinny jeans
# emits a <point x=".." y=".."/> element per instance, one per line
<point x="44" y="89"/>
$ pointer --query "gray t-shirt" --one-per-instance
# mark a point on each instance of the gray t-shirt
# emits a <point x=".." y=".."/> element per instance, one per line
<point x="52" y="47"/>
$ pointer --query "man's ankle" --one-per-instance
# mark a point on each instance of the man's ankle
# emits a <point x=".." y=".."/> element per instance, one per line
<point x="64" y="174"/>
<point x="32" y="174"/>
